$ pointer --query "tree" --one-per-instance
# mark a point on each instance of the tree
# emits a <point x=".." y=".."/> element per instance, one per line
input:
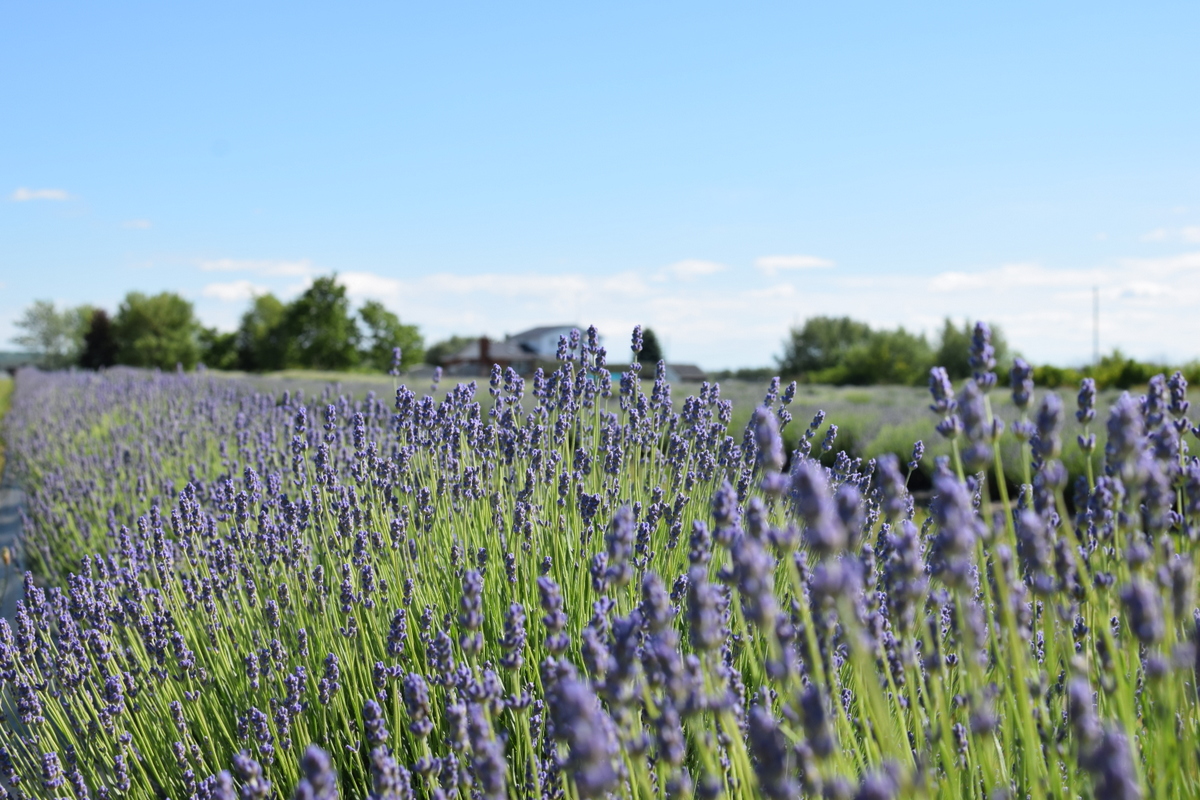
<point x="261" y="341"/>
<point x="651" y="350"/>
<point x="437" y="354"/>
<point x="887" y="357"/>
<point x="383" y="332"/>
<point x="954" y="349"/>
<point x="99" y="345"/>
<point x="821" y="344"/>
<point x="56" y="336"/>
<point x="320" y="331"/>
<point x="156" y="331"/>
<point x="218" y="350"/>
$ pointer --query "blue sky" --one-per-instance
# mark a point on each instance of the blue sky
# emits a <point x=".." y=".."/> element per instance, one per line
<point x="717" y="171"/>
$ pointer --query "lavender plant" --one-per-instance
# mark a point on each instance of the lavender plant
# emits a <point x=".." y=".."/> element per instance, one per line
<point x="574" y="590"/>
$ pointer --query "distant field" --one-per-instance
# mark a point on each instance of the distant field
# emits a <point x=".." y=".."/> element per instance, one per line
<point x="871" y="420"/>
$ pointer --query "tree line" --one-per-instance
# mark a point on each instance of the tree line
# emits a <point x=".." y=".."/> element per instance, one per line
<point x="316" y="330"/>
<point x="320" y="330"/>
<point x="846" y="352"/>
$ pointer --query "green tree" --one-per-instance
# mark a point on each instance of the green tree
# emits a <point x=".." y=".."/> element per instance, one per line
<point x="437" y="353"/>
<point x="821" y="343"/>
<point x="218" y="350"/>
<point x="261" y="340"/>
<point x="651" y="350"/>
<point x="99" y="345"/>
<point x="156" y="331"/>
<point x="321" y="332"/>
<point x="384" y="331"/>
<point x="954" y="349"/>
<point x="56" y="336"/>
<point x="887" y="357"/>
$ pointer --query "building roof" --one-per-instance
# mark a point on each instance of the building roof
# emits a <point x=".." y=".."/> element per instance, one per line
<point x="539" y="332"/>
<point x="688" y="372"/>
<point x="497" y="351"/>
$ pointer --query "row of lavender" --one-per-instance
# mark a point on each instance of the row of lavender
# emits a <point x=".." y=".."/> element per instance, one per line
<point x="589" y="590"/>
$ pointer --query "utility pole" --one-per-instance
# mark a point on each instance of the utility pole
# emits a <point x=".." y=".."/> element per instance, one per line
<point x="1095" y="326"/>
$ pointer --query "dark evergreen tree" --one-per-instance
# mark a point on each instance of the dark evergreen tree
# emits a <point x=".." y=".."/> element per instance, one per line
<point x="99" y="345"/>
<point x="651" y="350"/>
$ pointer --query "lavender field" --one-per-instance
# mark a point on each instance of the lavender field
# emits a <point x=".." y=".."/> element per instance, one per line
<point x="570" y="587"/>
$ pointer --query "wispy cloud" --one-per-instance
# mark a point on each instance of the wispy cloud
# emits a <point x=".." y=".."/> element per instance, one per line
<point x="271" y="268"/>
<point x="773" y="265"/>
<point x="137" y="224"/>
<point x="233" y="291"/>
<point x="690" y="269"/>
<point x="1188" y="233"/>
<point x="24" y="195"/>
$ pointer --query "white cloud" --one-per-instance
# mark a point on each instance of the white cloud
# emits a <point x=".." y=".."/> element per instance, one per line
<point x="370" y="286"/>
<point x="301" y="269"/>
<point x="692" y="268"/>
<point x="772" y="265"/>
<point x="1188" y="233"/>
<point x="137" y="224"/>
<point x="23" y="195"/>
<point x="1010" y="276"/>
<point x="233" y="291"/>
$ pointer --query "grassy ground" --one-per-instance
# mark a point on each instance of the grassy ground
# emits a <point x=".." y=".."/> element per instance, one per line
<point x="6" y="389"/>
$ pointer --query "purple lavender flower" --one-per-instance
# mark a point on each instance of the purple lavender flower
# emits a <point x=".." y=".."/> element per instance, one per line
<point x="772" y="756"/>
<point x="619" y="540"/>
<point x="589" y="734"/>
<point x="958" y="527"/>
<point x="978" y="452"/>
<point x="1126" y="438"/>
<point x="470" y="615"/>
<point x="1144" y="609"/>
<point x="769" y="452"/>
<point x="943" y="392"/>
<point x="389" y="780"/>
<point x="487" y="759"/>
<point x="1110" y="762"/>
<point x="374" y="725"/>
<point x="554" y="619"/>
<point x="52" y="774"/>
<point x="1086" y="401"/>
<point x="416" y="703"/>
<point x="815" y="714"/>
<point x="1021" y="376"/>
<point x="1178" y="386"/>
<point x="983" y="356"/>
<point x="249" y="772"/>
<point x="892" y="489"/>
<point x="1049" y="422"/>
<point x="810" y="490"/>
<point x="918" y="453"/>
<point x="319" y="781"/>
<point x="704" y="620"/>
<point x="514" y="637"/>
